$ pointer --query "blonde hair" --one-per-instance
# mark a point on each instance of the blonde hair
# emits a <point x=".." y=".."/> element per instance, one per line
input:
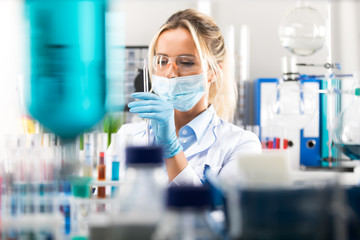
<point x="222" y="93"/>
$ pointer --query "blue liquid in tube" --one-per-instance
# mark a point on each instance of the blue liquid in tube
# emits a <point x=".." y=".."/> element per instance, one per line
<point x="115" y="173"/>
<point x="67" y="64"/>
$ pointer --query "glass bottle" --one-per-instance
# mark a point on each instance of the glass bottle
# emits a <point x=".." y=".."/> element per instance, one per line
<point x="140" y="200"/>
<point x="187" y="215"/>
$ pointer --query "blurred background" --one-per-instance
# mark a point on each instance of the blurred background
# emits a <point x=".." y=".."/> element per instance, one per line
<point x="250" y="27"/>
<point x="66" y="75"/>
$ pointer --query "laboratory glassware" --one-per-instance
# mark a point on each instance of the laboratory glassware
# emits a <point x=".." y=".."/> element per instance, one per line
<point x="102" y="143"/>
<point x="101" y="176"/>
<point x="146" y="89"/>
<point x="187" y="215"/>
<point x="140" y="200"/>
<point x="302" y="30"/>
<point x="80" y="207"/>
<point x="67" y="86"/>
<point x="347" y="127"/>
<point x="115" y="164"/>
<point x="294" y="106"/>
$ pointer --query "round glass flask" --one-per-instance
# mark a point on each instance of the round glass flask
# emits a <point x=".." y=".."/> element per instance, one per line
<point x="302" y="30"/>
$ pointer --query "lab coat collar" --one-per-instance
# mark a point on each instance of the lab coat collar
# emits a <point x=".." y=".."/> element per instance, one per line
<point x="205" y="132"/>
<point x="201" y="123"/>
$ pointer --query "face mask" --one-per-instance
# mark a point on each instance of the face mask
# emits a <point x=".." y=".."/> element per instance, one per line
<point x="182" y="92"/>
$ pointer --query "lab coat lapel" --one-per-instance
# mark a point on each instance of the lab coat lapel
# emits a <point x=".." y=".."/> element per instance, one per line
<point x="206" y="141"/>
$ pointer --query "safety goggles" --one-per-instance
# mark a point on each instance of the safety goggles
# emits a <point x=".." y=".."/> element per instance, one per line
<point x="183" y="64"/>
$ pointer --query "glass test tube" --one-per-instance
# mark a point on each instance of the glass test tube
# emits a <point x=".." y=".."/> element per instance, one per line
<point x="88" y="145"/>
<point x="146" y="89"/>
<point x="101" y="176"/>
<point x="115" y="165"/>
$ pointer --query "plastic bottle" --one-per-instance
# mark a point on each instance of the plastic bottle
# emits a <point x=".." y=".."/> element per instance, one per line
<point x="140" y="200"/>
<point x="187" y="215"/>
<point x="67" y="64"/>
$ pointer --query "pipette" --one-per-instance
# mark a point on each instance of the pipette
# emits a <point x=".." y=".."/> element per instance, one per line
<point x="146" y="89"/>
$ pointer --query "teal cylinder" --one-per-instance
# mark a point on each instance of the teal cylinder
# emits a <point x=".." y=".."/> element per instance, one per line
<point x="67" y="88"/>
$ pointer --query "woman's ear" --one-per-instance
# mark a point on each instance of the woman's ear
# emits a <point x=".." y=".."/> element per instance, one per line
<point x="211" y="76"/>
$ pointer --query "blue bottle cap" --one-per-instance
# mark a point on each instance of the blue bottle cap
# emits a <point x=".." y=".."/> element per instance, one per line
<point x="140" y="155"/>
<point x="188" y="197"/>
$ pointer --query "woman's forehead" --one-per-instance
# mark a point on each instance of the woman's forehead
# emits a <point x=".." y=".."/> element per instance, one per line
<point x="176" y="42"/>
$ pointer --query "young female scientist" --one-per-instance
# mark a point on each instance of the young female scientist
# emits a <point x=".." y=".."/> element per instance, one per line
<point x="193" y="101"/>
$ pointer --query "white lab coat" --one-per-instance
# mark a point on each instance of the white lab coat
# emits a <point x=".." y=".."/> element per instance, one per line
<point x="218" y="144"/>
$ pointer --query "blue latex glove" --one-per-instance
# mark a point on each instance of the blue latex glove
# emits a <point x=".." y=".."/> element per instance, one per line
<point x="161" y="114"/>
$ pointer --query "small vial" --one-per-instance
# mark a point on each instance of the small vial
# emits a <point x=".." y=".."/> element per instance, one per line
<point x="101" y="176"/>
<point x="115" y="172"/>
<point x="87" y="168"/>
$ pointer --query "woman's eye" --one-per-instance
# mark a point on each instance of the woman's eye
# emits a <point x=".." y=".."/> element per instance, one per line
<point x="187" y="64"/>
<point x="163" y="63"/>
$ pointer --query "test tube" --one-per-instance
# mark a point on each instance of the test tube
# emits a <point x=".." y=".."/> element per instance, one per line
<point x="264" y="135"/>
<point x="115" y="167"/>
<point x="146" y="89"/>
<point x="88" y="145"/>
<point x="102" y="140"/>
<point x="101" y="175"/>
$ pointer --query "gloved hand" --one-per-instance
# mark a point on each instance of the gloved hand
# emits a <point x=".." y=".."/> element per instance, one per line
<point x="161" y="114"/>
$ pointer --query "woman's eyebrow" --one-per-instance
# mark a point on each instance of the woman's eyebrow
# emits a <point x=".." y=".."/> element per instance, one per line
<point x="181" y="55"/>
<point x="162" y="54"/>
<point x="186" y="55"/>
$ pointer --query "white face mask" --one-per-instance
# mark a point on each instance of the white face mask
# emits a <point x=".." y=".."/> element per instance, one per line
<point x="182" y="92"/>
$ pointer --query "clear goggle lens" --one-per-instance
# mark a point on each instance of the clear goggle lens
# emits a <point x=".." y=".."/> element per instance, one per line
<point x="184" y="64"/>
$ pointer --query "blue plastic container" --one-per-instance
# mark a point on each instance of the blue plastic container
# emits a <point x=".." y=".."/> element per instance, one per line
<point x="67" y="64"/>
